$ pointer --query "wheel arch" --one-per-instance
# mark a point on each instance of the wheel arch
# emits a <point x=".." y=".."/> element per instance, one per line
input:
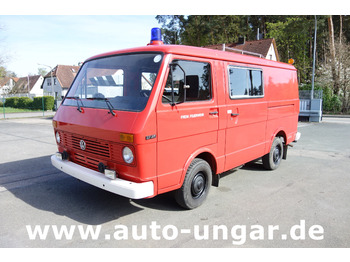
<point x="207" y="155"/>
<point x="282" y="134"/>
<point x="277" y="133"/>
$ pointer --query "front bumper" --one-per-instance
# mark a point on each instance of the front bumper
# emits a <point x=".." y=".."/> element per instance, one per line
<point x="117" y="186"/>
<point x="297" y="137"/>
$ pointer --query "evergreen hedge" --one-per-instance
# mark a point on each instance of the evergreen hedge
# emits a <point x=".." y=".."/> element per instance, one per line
<point x="28" y="103"/>
<point x="49" y="102"/>
<point x="24" y="102"/>
<point x="11" y="102"/>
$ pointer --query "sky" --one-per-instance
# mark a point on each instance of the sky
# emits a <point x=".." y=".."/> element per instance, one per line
<point x="68" y="32"/>
<point x="30" y="40"/>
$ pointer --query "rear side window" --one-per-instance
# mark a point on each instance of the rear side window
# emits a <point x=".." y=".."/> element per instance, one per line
<point x="197" y="77"/>
<point x="245" y="82"/>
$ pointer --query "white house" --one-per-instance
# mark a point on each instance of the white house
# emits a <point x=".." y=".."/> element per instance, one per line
<point x="6" y="84"/>
<point x="29" y="85"/>
<point x="266" y="48"/>
<point x="62" y="76"/>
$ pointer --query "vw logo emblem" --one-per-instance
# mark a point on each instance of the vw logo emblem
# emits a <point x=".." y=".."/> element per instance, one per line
<point x="82" y="144"/>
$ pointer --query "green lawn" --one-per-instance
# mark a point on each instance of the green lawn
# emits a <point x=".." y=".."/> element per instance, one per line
<point x="16" y="110"/>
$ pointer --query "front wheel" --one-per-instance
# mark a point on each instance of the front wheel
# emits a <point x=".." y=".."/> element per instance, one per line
<point x="195" y="187"/>
<point x="272" y="160"/>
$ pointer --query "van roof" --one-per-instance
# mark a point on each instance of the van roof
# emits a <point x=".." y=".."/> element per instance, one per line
<point x="200" y="52"/>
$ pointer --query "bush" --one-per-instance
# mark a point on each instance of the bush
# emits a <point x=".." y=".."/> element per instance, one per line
<point x="330" y="102"/>
<point x="48" y="103"/>
<point x="24" y="102"/>
<point x="27" y="103"/>
<point x="1" y="104"/>
<point x="327" y="97"/>
<point x="11" y="102"/>
<point x="336" y="103"/>
<point x="37" y="103"/>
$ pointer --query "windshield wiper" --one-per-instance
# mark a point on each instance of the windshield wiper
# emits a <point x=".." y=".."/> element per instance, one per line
<point x="110" y="107"/>
<point x="108" y="103"/>
<point x="77" y="98"/>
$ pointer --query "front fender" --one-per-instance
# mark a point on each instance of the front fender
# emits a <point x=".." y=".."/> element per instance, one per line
<point x="206" y="154"/>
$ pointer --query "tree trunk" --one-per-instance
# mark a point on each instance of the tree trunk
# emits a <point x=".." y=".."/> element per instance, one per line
<point x="340" y="28"/>
<point x="332" y="51"/>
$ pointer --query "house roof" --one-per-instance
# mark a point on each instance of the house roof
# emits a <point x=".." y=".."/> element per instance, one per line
<point x="257" y="46"/>
<point x="5" y="80"/>
<point x="21" y="85"/>
<point x="65" y="74"/>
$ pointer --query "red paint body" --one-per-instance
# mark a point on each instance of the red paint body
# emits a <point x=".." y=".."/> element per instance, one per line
<point x="225" y="132"/>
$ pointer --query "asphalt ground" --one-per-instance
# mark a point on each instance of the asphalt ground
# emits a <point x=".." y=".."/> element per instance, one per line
<point x="304" y="203"/>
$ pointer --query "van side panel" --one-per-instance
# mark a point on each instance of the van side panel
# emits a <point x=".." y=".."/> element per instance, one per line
<point x="283" y="105"/>
<point x="222" y="92"/>
<point x="175" y="153"/>
<point x="246" y="126"/>
<point x="183" y="130"/>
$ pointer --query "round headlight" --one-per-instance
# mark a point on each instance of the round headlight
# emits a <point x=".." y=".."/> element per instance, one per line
<point x="128" y="156"/>
<point x="58" y="138"/>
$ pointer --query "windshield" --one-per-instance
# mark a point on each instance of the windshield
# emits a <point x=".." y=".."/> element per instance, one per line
<point x="122" y="82"/>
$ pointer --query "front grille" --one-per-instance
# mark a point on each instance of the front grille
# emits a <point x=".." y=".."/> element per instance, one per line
<point x="86" y="161"/>
<point x="96" y="147"/>
<point x="95" y="151"/>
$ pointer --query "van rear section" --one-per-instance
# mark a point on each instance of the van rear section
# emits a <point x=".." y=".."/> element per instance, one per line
<point x="144" y="121"/>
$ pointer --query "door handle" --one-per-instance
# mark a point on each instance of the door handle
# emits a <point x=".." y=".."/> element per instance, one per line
<point x="213" y="113"/>
<point x="232" y="114"/>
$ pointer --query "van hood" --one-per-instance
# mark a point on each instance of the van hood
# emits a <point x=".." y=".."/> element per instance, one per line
<point x="95" y="123"/>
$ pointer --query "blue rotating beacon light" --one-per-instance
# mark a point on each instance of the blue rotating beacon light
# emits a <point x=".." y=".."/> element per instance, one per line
<point x="156" y="36"/>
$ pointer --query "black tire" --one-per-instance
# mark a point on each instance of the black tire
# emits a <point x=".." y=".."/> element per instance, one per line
<point x="196" y="185"/>
<point x="273" y="159"/>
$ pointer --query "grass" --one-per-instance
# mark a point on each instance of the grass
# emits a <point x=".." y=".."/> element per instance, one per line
<point x="9" y="110"/>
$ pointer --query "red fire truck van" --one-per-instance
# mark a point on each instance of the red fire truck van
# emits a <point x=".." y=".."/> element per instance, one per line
<point x="144" y="121"/>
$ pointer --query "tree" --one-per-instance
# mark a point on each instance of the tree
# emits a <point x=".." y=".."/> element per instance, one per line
<point x="207" y="30"/>
<point x="172" y="27"/>
<point x="201" y="30"/>
<point x="3" y="58"/>
<point x="293" y="35"/>
<point x="42" y="71"/>
<point x="294" y="40"/>
<point x="332" y="54"/>
<point x="340" y="67"/>
<point x="261" y="22"/>
<point x="3" y="71"/>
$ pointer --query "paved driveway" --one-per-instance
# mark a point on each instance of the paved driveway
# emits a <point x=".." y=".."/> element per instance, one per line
<point x="304" y="203"/>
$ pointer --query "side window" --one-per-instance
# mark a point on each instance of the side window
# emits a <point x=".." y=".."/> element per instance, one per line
<point x="196" y="76"/>
<point x="255" y="83"/>
<point x="245" y="82"/>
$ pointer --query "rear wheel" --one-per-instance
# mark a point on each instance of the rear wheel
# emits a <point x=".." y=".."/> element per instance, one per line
<point x="195" y="187"/>
<point x="272" y="160"/>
